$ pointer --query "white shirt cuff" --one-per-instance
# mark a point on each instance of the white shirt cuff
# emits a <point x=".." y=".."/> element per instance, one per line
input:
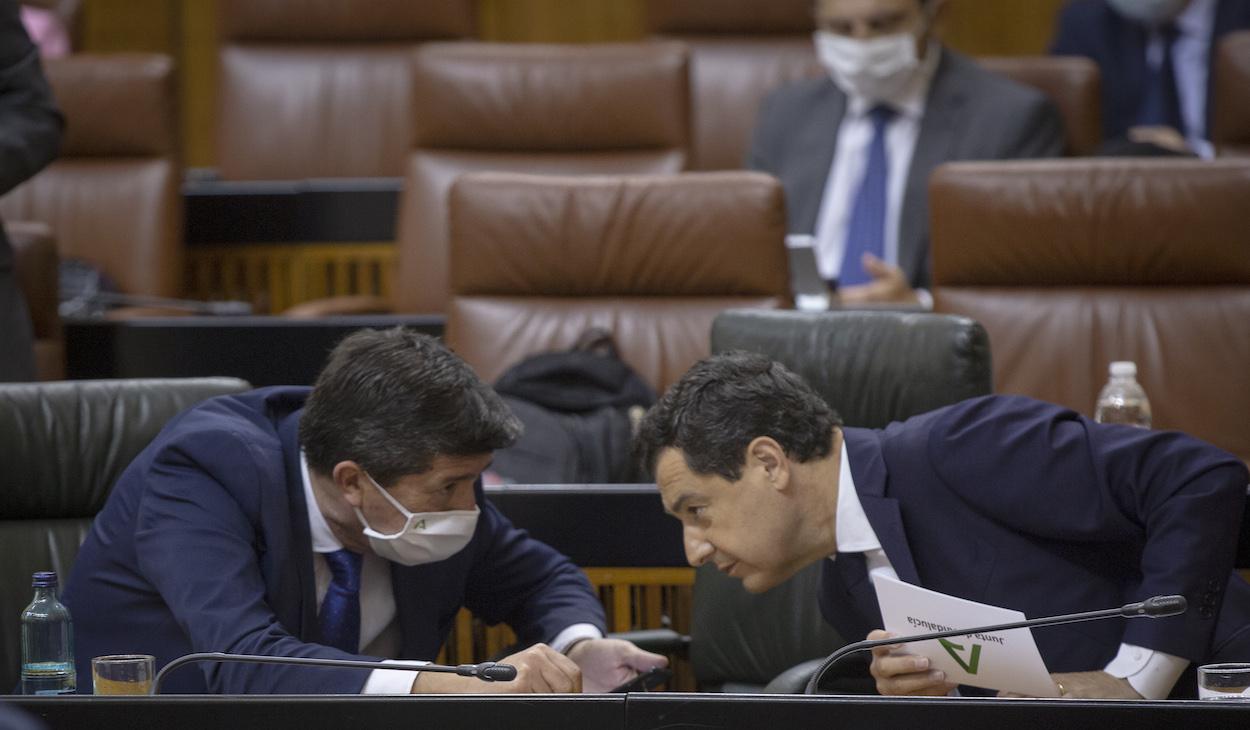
<point x="391" y="681"/>
<point x="1152" y="673"/>
<point x="565" y="638"/>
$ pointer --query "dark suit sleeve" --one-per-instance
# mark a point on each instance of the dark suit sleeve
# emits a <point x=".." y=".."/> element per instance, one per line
<point x="1048" y="472"/>
<point x="1072" y="31"/>
<point x="526" y="583"/>
<point x="760" y="154"/>
<point x="1039" y="132"/>
<point x="198" y="542"/>
<point x="30" y="125"/>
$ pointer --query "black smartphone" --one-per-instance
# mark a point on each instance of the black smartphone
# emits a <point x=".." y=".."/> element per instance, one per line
<point x="646" y="681"/>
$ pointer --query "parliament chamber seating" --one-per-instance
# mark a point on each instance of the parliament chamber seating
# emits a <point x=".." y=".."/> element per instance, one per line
<point x="1071" y="264"/>
<point x="112" y="197"/>
<point x="611" y="109"/>
<point x="740" y="50"/>
<point x="35" y="261"/>
<point x="64" y="445"/>
<point x="536" y="260"/>
<point x="872" y="367"/>
<point x="311" y="90"/>
<point x="1230" y="105"/>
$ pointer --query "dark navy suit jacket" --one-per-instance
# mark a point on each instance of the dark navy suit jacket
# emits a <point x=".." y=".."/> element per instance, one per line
<point x="1022" y="504"/>
<point x="1092" y="29"/>
<point x="204" y="545"/>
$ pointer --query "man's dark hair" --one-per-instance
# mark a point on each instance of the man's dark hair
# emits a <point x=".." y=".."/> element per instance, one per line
<point x="392" y="400"/>
<point x="726" y="401"/>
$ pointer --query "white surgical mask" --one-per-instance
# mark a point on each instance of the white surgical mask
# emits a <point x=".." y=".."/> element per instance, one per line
<point x="876" y="69"/>
<point x="426" y="537"/>
<point x="1149" y="12"/>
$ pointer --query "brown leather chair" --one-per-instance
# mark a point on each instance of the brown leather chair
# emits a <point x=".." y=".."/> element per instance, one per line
<point x="599" y="109"/>
<point x="537" y="260"/>
<point x="1230" y="105"/>
<point x="323" y="89"/>
<point x="1071" y="264"/>
<point x="35" y="261"/>
<point x="112" y="197"/>
<point x="740" y="50"/>
<point x="1072" y="83"/>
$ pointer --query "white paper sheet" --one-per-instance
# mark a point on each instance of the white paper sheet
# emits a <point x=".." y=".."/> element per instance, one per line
<point x="1005" y="660"/>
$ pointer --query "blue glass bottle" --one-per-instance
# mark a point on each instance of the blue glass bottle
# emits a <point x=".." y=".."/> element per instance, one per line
<point x="47" y="642"/>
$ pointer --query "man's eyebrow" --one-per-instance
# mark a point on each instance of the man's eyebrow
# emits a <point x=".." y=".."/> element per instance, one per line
<point x="681" y="501"/>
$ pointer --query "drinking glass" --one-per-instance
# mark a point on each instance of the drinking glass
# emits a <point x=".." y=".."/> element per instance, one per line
<point x="122" y="674"/>
<point x="1224" y="682"/>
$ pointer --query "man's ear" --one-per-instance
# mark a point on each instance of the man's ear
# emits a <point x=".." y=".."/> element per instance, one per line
<point x="351" y="481"/>
<point x="766" y="455"/>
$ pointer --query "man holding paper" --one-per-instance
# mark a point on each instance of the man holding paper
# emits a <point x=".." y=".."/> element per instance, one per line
<point x="1004" y="501"/>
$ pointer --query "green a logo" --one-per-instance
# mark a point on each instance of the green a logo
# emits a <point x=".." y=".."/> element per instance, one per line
<point x="974" y="656"/>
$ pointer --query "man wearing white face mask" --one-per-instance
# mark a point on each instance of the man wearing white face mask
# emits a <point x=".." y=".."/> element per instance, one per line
<point x="346" y="521"/>
<point x="854" y="151"/>
<point x="1155" y="57"/>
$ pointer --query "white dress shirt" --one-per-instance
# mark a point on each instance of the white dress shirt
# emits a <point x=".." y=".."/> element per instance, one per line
<point x="1191" y="55"/>
<point x="1151" y="673"/>
<point x="850" y="157"/>
<point x="379" y="629"/>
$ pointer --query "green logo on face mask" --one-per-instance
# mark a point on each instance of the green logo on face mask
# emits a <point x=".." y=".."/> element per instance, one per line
<point x="974" y="656"/>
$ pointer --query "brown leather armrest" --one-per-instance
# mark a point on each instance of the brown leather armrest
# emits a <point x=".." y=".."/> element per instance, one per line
<point x="345" y="305"/>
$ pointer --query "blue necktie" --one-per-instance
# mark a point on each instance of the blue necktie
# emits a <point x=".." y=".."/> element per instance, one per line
<point x="866" y="231"/>
<point x="1161" y="104"/>
<point x="340" y="610"/>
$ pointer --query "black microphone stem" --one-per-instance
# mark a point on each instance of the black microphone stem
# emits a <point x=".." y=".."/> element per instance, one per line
<point x="487" y="671"/>
<point x="863" y="645"/>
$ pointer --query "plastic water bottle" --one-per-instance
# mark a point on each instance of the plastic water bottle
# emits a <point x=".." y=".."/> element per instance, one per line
<point x="47" y="642"/>
<point x="1122" y="399"/>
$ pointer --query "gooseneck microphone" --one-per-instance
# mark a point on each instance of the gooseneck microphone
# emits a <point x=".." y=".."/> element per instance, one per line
<point x="486" y="671"/>
<point x="1156" y="607"/>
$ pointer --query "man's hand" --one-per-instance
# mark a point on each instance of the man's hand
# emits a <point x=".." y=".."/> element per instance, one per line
<point x="608" y="663"/>
<point x="888" y="284"/>
<point x="1095" y="685"/>
<point x="1161" y="136"/>
<point x="899" y="673"/>
<point x="539" y="669"/>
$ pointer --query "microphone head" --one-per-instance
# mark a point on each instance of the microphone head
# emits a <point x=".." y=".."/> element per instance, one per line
<point x="497" y="672"/>
<point x="1157" y="607"/>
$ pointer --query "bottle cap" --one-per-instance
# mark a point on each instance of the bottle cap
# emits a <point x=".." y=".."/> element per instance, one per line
<point x="1124" y="369"/>
<point x="44" y="579"/>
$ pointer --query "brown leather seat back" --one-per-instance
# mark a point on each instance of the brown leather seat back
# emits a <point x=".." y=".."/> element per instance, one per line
<point x="603" y="109"/>
<point x="1072" y="83"/>
<point x="1230" y="106"/>
<point x="740" y="50"/>
<point x="1071" y="264"/>
<point x="35" y="261"/>
<point x="536" y="260"/>
<point x="323" y="89"/>
<point x="112" y="197"/>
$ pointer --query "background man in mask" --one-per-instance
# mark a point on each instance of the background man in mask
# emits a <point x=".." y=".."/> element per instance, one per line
<point x="855" y="150"/>
<point x="1155" y="59"/>
<point x="336" y="522"/>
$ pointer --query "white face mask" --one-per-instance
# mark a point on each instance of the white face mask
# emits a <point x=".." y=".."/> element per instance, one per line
<point x="875" y="69"/>
<point x="1150" y="12"/>
<point x="426" y="537"/>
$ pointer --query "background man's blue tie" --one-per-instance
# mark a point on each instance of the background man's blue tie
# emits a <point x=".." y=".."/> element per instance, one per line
<point x="340" y="610"/>
<point x="866" y="231"/>
<point x="1161" y="103"/>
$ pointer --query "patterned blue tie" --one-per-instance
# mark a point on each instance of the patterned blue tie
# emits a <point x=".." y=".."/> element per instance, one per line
<point x="1161" y="104"/>
<point x="340" y="611"/>
<point x="866" y="231"/>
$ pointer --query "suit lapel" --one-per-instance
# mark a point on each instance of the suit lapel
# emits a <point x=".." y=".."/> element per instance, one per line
<point x="820" y="135"/>
<point x="868" y="469"/>
<point x="939" y="131"/>
<point x="301" y="536"/>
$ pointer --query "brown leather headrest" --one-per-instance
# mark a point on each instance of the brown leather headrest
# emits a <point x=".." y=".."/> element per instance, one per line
<point x="1230" y="108"/>
<point x="730" y="16"/>
<point x="719" y="233"/>
<point x="575" y="98"/>
<point x="1090" y="222"/>
<point x="115" y="105"/>
<point x="346" y="20"/>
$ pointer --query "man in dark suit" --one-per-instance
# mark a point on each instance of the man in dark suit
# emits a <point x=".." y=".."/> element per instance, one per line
<point x="1002" y="500"/>
<point x="855" y="150"/>
<point x="341" y="522"/>
<point x="1155" y="59"/>
<point x="30" y="133"/>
